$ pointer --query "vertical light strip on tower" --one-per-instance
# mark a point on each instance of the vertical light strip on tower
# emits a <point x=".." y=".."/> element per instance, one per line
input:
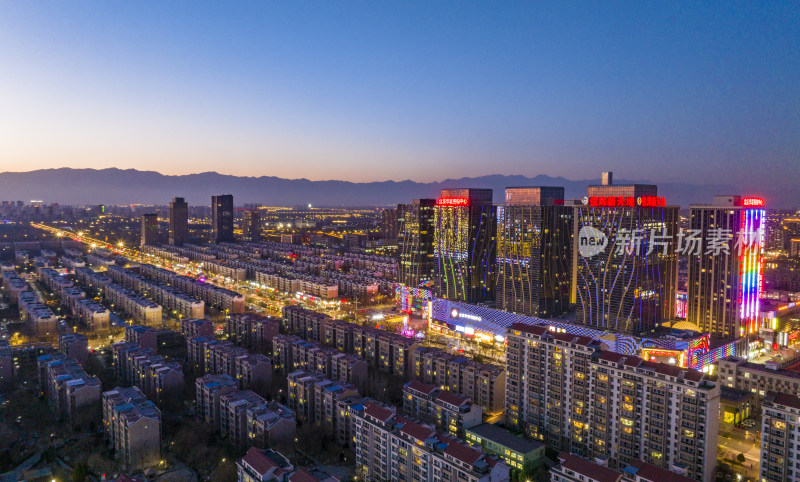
<point x="751" y="266"/>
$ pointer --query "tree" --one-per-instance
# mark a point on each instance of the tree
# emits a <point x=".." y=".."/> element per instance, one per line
<point x="80" y="473"/>
<point x="724" y="472"/>
<point x="224" y="472"/>
<point x="740" y="458"/>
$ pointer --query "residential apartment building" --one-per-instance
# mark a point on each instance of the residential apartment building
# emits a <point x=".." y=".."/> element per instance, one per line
<point x="70" y="392"/>
<point x="780" y="432"/>
<point x="391" y="447"/>
<point x="133" y="427"/>
<point x="74" y="345"/>
<point x="263" y="466"/>
<point x="572" y="468"/>
<point x="253" y="332"/>
<point x="191" y="327"/>
<point x="484" y="384"/>
<point x="519" y="453"/>
<point x="141" y="310"/>
<point x="757" y="378"/>
<point x="208" y="389"/>
<point x="271" y="424"/>
<point x="571" y="393"/>
<point x="449" y="412"/>
<point x="303" y="322"/>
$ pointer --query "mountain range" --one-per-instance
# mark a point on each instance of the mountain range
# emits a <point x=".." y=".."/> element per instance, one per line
<point x="130" y="186"/>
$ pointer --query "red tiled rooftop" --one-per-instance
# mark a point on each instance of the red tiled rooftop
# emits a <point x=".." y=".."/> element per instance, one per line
<point x="657" y="474"/>
<point x="381" y="413"/>
<point x="612" y="356"/>
<point x="781" y="398"/>
<point x="303" y="475"/>
<point x="462" y="453"/>
<point x="534" y="329"/>
<point x="421" y="387"/>
<point x="417" y="431"/>
<point x="589" y="469"/>
<point x="576" y="339"/>
<point x="452" y="398"/>
<point x="258" y="461"/>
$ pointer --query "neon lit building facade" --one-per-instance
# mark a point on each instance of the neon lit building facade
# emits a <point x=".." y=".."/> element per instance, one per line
<point x="724" y="287"/>
<point x="534" y="251"/>
<point x="417" y="266"/>
<point x="464" y="244"/>
<point x="625" y="290"/>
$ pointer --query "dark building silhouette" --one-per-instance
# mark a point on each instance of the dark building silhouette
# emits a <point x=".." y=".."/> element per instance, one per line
<point x="222" y="218"/>
<point x="178" y="221"/>
<point x="251" y="225"/>
<point x="389" y="225"/>
<point x="149" y="228"/>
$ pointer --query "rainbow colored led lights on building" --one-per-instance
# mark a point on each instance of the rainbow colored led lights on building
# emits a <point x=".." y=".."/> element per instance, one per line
<point x="751" y="268"/>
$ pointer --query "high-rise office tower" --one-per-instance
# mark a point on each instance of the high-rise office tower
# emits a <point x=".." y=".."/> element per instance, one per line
<point x="790" y="231"/>
<point x="625" y="268"/>
<point x="222" y="218"/>
<point x="464" y="244"/>
<point x="724" y="284"/>
<point x="178" y="221"/>
<point x="534" y="251"/>
<point x="415" y="236"/>
<point x="389" y="225"/>
<point x="251" y="225"/>
<point x="149" y="228"/>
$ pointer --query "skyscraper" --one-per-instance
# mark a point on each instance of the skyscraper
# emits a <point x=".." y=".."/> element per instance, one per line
<point x="149" y="228"/>
<point x="222" y="218"/>
<point x="389" y="225"/>
<point x="534" y="251"/>
<point x="251" y="225"/>
<point x="724" y="284"/>
<point x="464" y="244"/>
<point x="625" y="268"/>
<point x="415" y="236"/>
<point x="178" y="221"/>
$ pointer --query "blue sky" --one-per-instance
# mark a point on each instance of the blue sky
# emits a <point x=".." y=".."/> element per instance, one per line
<point x="665" y="91"/>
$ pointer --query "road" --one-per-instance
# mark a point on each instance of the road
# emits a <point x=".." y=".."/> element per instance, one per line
<point x="270" y="302"/>
<point x="733" y="443"/>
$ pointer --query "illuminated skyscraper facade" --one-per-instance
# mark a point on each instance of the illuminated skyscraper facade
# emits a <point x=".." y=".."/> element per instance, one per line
<point x="725" y="284"/>
<point x="222" y="218"/>
<point x="534" y="251"/>
<point x="415" y="237"/>
<point x="464" y="244"/>
<point x="178" y="221"/>
<point x="626" y="286"/>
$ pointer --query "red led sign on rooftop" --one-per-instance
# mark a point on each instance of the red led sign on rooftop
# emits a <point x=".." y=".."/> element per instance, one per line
<point x="452" y="201"/>
<point x="625" y="201"/>
<point x="753" y="202"/>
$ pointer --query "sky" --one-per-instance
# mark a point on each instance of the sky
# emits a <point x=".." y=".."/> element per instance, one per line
<point x="663" y="91"/>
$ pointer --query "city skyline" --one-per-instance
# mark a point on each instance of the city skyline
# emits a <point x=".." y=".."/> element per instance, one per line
<point x="400" y="241"/>
<point x="414" y="92"/>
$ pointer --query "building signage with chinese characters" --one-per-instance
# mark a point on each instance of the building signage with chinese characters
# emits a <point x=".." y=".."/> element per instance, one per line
<point x="624" y="201"/>
<point x="753" y="202"/>
<point x="452" y="201"/>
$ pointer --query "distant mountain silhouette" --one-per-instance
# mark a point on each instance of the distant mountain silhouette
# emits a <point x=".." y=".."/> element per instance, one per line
<point x="129" y="186"/>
